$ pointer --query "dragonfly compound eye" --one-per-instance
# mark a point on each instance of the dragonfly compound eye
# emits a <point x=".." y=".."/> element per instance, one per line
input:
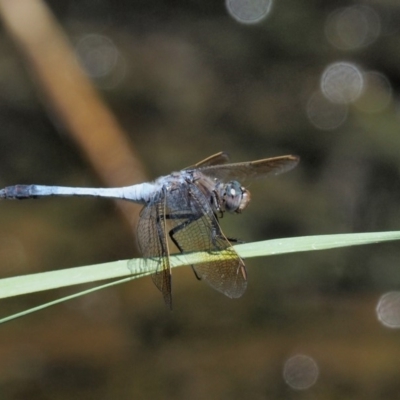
<point x="236" y="197"/>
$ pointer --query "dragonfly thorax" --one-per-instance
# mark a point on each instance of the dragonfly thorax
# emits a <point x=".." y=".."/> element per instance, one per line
<point x="232" y="197"/>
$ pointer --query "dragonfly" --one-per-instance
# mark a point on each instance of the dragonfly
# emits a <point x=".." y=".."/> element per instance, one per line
<point x="184" y="208"/>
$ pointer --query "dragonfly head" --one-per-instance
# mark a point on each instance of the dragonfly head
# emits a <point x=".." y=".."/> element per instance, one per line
<point x="234" y="197"/>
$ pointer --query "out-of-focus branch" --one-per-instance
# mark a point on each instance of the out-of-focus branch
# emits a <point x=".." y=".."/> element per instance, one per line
<point x="69" y="95"/>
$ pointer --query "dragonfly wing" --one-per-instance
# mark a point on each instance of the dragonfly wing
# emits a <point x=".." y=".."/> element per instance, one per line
<point x="252" y="169"/>
<point x="194" y="228"/>
<point x="153" y="244"/>
<point x="215" y="159"/>
<point x="228" y="275"/>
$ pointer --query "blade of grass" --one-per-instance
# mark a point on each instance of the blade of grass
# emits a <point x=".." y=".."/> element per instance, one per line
<point x="136" y="268"/>
<point x="62" y="299"/>
<point x="312" y="243"/>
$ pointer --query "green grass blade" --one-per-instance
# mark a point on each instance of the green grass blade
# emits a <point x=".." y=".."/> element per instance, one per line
<point x="312" y="243"/>
<point x="136" y="268"/>
<point x="61" y="300"/>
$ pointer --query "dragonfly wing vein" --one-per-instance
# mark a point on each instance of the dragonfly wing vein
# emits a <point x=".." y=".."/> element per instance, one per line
<point x="215" y="159"/>
<point x="250" y="170"/>
<point x="153" y="243"/>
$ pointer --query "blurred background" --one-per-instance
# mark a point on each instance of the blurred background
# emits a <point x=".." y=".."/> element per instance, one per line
<point x="102" y="93"/>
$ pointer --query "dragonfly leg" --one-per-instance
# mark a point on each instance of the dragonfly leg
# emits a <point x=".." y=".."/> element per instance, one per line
<point x="235" y="240"/>
<point x="190" y="218"/>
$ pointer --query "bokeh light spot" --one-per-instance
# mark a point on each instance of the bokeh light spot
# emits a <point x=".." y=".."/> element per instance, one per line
<point x="248" y="11"/>
<point x="300" y="372"/>
<point x="97" y="55"/>
<point x="377" y="93"/>
<point x="324" y="114"/>
<point x="388" y="309"/>
<point x="352" y="27"/>
<point x="342" y="82"/>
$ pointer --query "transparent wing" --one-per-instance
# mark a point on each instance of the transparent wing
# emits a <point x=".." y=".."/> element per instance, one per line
<point x="194" y="227"/>
<point x="215" y="159"/>
<point x="153" y="243"/>
<point x="251" y="169"/>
